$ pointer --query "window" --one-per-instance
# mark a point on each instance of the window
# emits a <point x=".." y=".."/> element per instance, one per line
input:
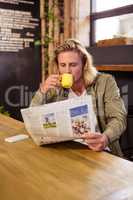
<point x="111" y="19"/>
<point x="102" y="5"/>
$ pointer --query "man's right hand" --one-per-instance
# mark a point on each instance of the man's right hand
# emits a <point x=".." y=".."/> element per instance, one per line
<point x="53" y="81"/>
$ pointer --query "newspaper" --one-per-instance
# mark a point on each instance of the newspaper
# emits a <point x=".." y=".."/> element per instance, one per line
<point x="59" y="121"/>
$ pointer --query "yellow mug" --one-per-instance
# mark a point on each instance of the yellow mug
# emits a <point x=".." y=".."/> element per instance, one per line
<point x="66" y="80"/>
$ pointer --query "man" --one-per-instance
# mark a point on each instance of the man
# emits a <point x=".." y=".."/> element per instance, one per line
<point x="72" y="57"/>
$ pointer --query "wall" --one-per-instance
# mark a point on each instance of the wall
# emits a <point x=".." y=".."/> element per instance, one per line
<point x="125" y="83"/>
<point x="19" y="58"/>
<point x="82" y="21"/>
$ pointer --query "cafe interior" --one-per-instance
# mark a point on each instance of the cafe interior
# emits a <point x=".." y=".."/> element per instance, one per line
<point x="29" y="32"/>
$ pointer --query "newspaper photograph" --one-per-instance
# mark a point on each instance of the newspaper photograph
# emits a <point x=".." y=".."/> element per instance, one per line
<point x="59" y="121"/>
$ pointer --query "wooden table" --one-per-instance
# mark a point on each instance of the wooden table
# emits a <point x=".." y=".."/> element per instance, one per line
<point x="65" y="171"/>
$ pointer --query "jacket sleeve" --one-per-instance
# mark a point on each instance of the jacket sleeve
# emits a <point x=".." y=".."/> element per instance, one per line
<point x="115" y="112"/>
<point x="38" y="99"/>
<point x="43" y="98"/>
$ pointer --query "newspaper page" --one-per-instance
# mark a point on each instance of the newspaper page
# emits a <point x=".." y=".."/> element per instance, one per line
<point x="59" y="121"/>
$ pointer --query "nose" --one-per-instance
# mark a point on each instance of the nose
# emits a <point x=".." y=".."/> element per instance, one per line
<point x="68" y="69"/>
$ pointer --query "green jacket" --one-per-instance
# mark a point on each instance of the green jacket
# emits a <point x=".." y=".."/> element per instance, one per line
<point x="108" y="106"/>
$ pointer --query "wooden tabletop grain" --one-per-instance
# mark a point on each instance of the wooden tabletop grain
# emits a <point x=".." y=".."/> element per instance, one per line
<point x="64" y="171"/>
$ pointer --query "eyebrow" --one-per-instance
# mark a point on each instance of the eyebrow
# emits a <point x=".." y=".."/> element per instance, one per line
<point x="69" y="63"/>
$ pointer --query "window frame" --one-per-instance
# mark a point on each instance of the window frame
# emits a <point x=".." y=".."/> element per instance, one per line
<point x="104" y="14"/>
<point x="110" y="55"/>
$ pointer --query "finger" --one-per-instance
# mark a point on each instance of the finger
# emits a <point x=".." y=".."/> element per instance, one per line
<point x="90" y="136"/>
<point x="96" y="147"/>
<point x="92" y="141"/>
<point x="55" y="82"/>
<point x="58" y="83"/>
<point x="55" y="77"/>
<point x="51" y="82"/>
<point x="51" y="78"/>
<point x="52" y="85"/>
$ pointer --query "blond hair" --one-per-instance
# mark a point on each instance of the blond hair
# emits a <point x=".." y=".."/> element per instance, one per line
<point x="89" y="71"/>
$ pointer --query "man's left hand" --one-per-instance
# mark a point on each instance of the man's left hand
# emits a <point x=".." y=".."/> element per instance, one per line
<point x="96" y="141"/>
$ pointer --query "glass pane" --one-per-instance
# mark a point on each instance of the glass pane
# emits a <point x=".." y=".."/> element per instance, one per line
<point x="115" y="27"/>
<point x="102" y="5"/>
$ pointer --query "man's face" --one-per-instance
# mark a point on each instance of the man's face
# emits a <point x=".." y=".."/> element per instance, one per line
<point x="70" y="62"/>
